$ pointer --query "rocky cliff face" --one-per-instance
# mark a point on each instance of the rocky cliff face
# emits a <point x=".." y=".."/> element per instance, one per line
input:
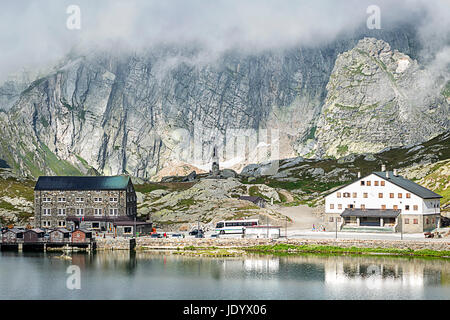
<point x="114" y="113"/>
<point x="379" y="97"/>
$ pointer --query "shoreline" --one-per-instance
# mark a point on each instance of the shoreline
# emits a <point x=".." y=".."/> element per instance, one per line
<point x="224" y="247"/>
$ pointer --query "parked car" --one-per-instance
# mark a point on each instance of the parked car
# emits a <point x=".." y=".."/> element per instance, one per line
<point x="156" y="235"/>
<point x="215" y="235"/>
<point x="195" y="232"/>
<point x="177" y="235"/>
<point x="200" y="234"/>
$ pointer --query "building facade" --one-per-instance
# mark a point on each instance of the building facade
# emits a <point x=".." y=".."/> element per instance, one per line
<point x="382" y="201"/>
<point x="58" y="200"/>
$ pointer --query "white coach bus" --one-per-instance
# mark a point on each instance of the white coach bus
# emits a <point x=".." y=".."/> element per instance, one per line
<point x="235" y="226"/>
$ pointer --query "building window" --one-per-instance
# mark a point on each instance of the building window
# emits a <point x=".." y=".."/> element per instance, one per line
<point x="432" y="221"/>
<point x="400" y="195"/>
<point x="80" y="212"/>
<point x="383" y="207"/>
<point x="395" y="207"/>
<point x="46" y="223"/>
<point x="363" y="206"/>
<point x="368" y="183"/>
<point x="339" y="206"/>
<point x="407" y="207"/>
<point x="346" y="194"/>
<point x="79" y="199"/>
<point x="338" y="194"/>
<point x="391" y="195"/>
<point x="416" y="221"/>
<point x="382" y="183"/>
<point x="331" y="219"/>
<point x="365" y="195"/>
<point x="61" y="199"/>
<point x="408" y="195"/>
<point x="427" y="221"/>
<point x="354" y="195"/>
<point x="380" y="195"/>
<point x="97" y="212"/>
<point x="338" y="219"/>
<point x="113" y="211"/>
<point x="98" y="199"/>
<point x="46" y="200"/>
<point x="350" y="206"/>
<point x="61" y="223"/>
<point x="415" y="207"/>
<point x="112" y="199"/>
<point x="406" y="221"/>
<point x="331" y="206"/>
<point x="362" y="183"/>
<point x="375" y="183"/>
<point x="46" y="212"/>
<point x="61" y="212"/>
<point x="127" y="230"/>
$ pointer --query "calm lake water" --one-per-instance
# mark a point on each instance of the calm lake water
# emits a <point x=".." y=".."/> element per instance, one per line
<point x="121" y="275"/>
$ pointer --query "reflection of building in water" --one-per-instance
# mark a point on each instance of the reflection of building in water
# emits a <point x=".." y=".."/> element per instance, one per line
<point x="377" y="275"/>
<point x="261" y="265"/>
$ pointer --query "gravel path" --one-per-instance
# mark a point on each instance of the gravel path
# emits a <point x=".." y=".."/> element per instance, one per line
<point x="302" y="217"/>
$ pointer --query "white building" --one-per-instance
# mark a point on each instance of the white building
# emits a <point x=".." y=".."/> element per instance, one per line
<point x="382" y="201"/>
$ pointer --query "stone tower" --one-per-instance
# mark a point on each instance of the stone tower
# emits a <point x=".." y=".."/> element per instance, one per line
<point x="215" y="163"/>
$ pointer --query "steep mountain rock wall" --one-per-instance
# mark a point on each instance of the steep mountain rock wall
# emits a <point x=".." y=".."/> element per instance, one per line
<point x="113" y="113"/>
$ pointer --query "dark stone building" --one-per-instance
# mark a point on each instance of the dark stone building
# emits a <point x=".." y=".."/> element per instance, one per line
<point x="88" y="202"/>
<point x="260" y="202"/>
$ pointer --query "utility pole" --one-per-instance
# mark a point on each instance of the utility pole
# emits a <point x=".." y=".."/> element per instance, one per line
<point x="135" y="232"/>
<point x="401" y="228"/>
<point x="336" y="227"/>
<point x="286" y="228"/>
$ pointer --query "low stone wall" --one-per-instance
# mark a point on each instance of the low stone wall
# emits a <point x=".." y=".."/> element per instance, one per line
<point x="170" y="243"/>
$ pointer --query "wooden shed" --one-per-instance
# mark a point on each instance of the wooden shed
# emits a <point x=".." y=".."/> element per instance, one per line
<point x="81" y="235"/>
<point x="13" y="235"/>
<point x="59" y="235"/>
<point x="33" y="235"/>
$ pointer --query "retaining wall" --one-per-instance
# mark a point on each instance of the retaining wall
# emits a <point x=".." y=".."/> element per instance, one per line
<point x="143" y="242"/>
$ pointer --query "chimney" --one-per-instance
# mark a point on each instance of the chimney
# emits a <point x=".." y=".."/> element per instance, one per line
<point x="359" y="174"/>
<point x="395" y="172"/>
<point x="383" y="167"/>
<point x="387" y="174"/>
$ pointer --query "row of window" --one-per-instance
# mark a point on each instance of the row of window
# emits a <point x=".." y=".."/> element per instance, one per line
<point x="383" y="206"/>
<point x="47" y="223"/>
<point x="78" y="199"/>
<point x="366" y="195"/>
<point x="414" y="221"/>
<point x="80" y="211"/>
<point x="375" y="183"/>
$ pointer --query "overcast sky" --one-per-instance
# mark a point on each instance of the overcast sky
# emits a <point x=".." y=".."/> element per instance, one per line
<point x="34" y="33"/>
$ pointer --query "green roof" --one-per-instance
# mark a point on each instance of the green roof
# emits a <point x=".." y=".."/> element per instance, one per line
<point x="82" y="183"/>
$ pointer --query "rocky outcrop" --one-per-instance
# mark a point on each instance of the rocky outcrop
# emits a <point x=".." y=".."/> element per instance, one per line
<point x="209" y="201"/>
<point x="377" y="98"/>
